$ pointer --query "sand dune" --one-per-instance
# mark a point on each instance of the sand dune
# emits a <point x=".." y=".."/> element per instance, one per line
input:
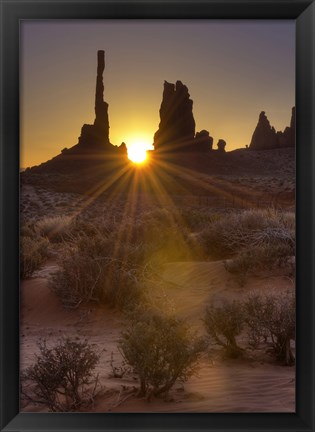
<point x="253" y="384"/>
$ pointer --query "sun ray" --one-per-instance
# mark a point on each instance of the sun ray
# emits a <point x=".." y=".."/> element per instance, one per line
<point x="124" y="231"/>
<point x="210" y="185"/>
<point x="93" y="193"/>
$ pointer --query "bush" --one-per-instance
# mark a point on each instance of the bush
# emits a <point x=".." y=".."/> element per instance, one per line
<point x="106" y="263"/>
<point x="33" y="252"/>
<point x="223" y="324"/>
<point x="272" y="318"/>
<point x="93" y="270"/>
<point x="161" y="351"/>
<point x="61" y="375"/>
<point x="251" y="228"/>
<point x="271" y="257"/>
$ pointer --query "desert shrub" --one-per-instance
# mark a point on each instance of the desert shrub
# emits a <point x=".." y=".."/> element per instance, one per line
<point x="161" y="351"/>
<point x="272" y="318"/>
<point x="33" y="253"/>
<point x="92" y="269"/>
<point x="61" y="376"/>
<point x="250" y="228"/>
<point x="55" y="228"/>
<point x="272" y="257"/>
<point x="223" y="324"/>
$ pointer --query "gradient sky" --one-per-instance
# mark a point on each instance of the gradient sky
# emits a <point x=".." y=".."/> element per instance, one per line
<point x="233" y="70"/>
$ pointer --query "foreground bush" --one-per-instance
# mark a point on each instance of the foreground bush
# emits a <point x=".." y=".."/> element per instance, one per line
<point x="61" y="376"/>
<point x="33" y="253"/>
<point x="223" y="324"/>
<point x="161" y="351"/>
<point x="267" y="319"/>
<point x="272" y="318"/>
<point x="93" y="269"/>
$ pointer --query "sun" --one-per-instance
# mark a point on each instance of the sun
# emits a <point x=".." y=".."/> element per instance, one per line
<point x="137" y="151"/>
<point x="137" y="154"/>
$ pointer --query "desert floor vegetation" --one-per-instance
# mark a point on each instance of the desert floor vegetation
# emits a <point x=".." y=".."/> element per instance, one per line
<point x="62" y="377"/>
<point x="108" y="261"/>
<point x="96" y="254"/>
<point x="34" y="251"/>
<point x="271" y="318"/>
<point x="223" y="324"/>
<point x="267" y="320"/>
<point x="252" y="241"/>
<point x="161" y="350"/>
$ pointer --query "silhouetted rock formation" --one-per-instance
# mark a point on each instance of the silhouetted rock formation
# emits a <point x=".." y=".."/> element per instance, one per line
<point x="97" y="135"/>
<point x="287" y="137"/>
<point x="221" y="146"/>
<point x="94" y="137"/>
<point x="203" y="141"/>
<point x="93" y="157"/>
<point x="123" y="147"/>
<point x="177" y="126"/>
<point x="265" y="136"/>
<point x="176" y="133"/>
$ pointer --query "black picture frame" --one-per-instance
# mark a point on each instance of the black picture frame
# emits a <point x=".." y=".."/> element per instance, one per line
<point x="303" y="11"/>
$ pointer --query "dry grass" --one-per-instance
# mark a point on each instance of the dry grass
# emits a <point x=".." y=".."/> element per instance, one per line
<point x="55" y="228"/>
<point x="33" y="253"/>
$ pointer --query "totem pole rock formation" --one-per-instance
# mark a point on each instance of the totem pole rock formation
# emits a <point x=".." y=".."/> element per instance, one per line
<point x="97" y="135"/>
<point x="265" y="136"/>
<point x="93" y="148"/>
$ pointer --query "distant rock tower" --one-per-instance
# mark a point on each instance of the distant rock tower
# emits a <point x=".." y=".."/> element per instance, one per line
<point x="287" y="137"/>
<point x="177" y="126"/>
<point x="176" y="133"/>
<point x="265" y="136"/>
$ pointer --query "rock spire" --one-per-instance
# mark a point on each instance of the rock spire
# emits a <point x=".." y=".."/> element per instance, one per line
<point x="96" y="136"/>
<point x="265" y="136"/>
<point x="177" y="125"/>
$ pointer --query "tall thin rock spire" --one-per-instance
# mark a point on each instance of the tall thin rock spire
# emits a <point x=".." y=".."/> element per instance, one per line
<point x="101" y="107"/>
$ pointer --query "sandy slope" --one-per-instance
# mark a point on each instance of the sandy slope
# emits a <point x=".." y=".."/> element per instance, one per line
<point x="249" y="385"/>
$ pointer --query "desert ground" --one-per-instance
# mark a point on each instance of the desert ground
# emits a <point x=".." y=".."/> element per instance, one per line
<point x="185" y="286"/>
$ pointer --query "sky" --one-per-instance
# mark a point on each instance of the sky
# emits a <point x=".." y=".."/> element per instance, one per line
<point x="234" y="69"/>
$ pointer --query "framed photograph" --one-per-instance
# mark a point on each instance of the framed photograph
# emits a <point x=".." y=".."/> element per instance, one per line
<point x="157" y="209"/>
